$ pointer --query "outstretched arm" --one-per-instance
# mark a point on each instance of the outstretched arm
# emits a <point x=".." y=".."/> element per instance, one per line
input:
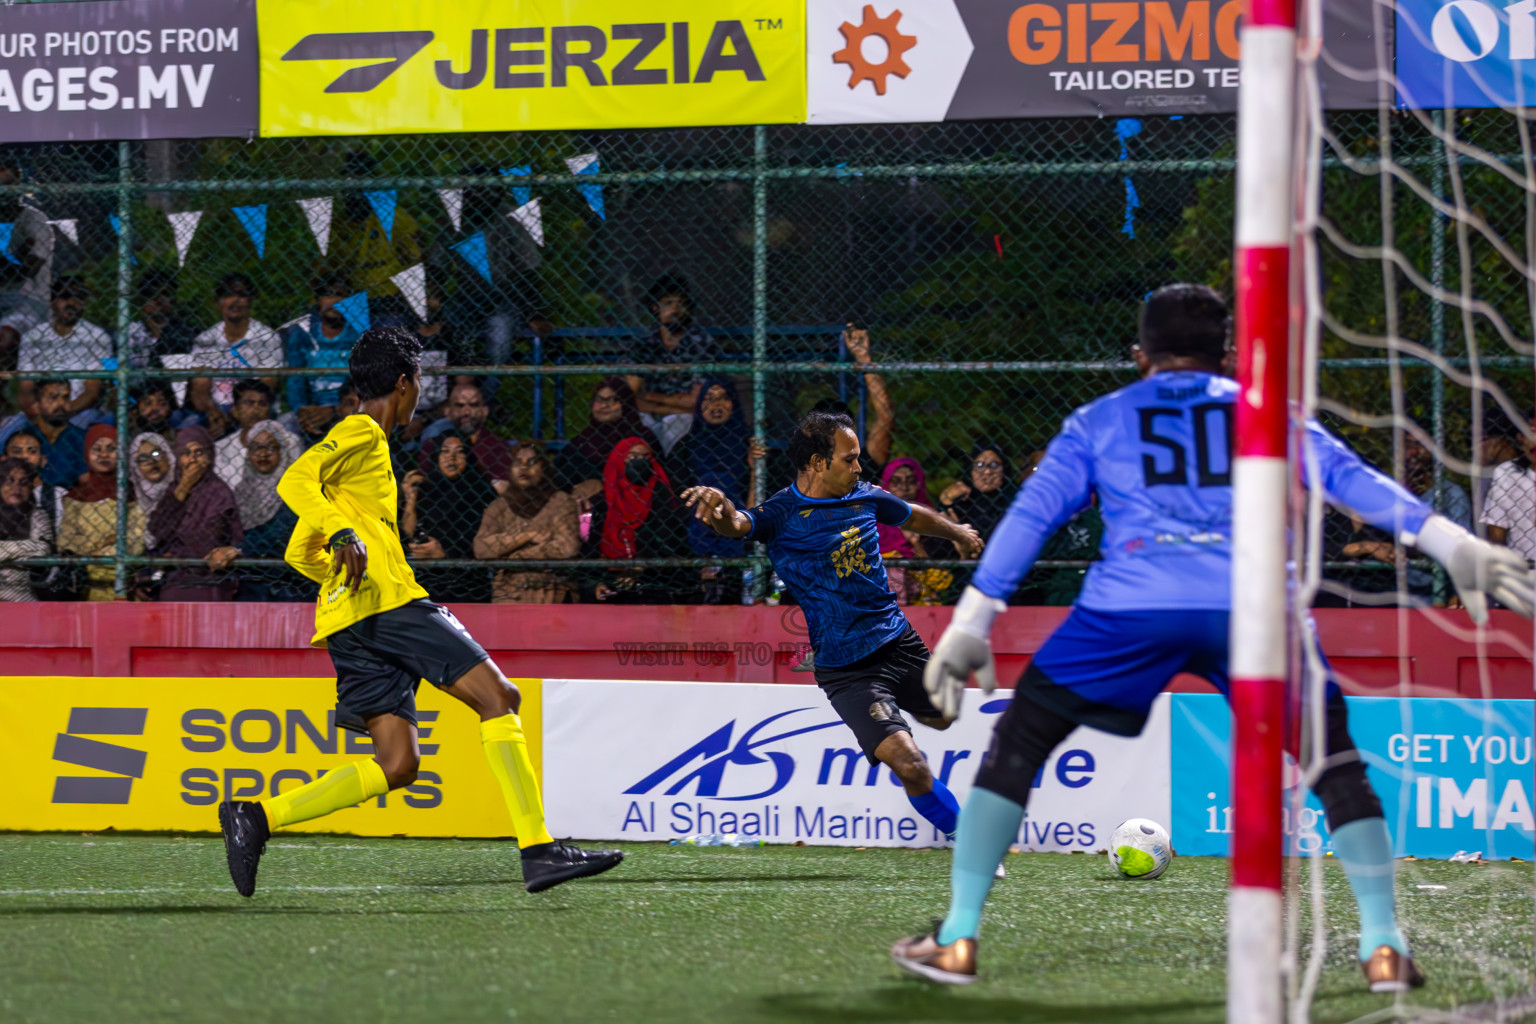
<point x="1478" y="569"/>
<point x="882" y="421"/>
<point x="931" y="524"/>
<point x="713" y="509"/>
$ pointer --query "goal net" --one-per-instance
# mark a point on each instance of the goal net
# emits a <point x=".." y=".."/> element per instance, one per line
<point x="1411" y="295"/>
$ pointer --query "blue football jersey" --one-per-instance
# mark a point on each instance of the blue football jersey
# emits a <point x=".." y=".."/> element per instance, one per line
<point x="1159" y="456"/>
<point x="828" y="551"/>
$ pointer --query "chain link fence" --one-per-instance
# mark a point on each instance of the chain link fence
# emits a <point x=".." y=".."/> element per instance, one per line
<point x="960" y="287"/>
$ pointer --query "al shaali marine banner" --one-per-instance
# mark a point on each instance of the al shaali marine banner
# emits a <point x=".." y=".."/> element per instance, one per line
<point x="131" y="69"/>
<point x="952" y="60"/>
<point x="355" y="67"/>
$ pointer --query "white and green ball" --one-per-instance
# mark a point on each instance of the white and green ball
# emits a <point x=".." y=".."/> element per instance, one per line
<point x="1140" y="849"/>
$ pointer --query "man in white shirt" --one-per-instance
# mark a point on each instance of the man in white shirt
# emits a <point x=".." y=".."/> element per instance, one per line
<point x="1509" y="511"/>
<point x="26" y="264"/>
<point x="252" y="409"/>
<point x="236" y="342"/>
<point x="63" y="343"/>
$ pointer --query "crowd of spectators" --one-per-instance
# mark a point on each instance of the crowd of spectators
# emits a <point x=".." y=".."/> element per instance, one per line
<point x="206" y="452"/>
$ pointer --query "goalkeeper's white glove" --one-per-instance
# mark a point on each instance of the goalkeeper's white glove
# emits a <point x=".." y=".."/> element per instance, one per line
<point x="1478" y="569"/>
<point x="964" y="648"/>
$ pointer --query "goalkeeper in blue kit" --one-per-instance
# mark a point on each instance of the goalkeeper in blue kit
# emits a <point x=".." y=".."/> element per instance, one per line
<point x="1158" y="456"/>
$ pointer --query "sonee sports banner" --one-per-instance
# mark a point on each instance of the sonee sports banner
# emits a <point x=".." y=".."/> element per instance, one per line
<point x="159" y="754"/>
<point x="358" y="67"/>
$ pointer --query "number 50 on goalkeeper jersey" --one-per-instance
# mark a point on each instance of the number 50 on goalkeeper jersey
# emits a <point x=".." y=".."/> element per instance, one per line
<point x="346" y="482"/>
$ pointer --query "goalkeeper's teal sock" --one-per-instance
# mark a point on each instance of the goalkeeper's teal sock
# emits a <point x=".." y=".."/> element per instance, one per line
<point x="988" y="825"/>
<point x="1364" y="848"/>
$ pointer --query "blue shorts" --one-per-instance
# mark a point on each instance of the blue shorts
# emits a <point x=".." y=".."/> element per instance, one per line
<point x="1104" y="669"/>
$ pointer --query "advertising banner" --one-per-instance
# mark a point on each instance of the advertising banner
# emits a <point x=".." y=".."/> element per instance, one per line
<point x="128" y="69"/>
<point x="1465" y="53"/>
<point x="159" y="754"/>
<point x="1453" y="775"/>
<point x="355" y="67"/>
<point x="659" y="761"/>
<point x="977" y="59"/>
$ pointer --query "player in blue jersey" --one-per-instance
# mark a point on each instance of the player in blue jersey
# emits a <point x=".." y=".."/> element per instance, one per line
<point x="821" y="537"/>
<point x="1158" y="456"/>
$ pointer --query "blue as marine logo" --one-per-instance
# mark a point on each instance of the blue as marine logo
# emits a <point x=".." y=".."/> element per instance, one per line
<point x="1466" y="53"/>
<point x="717" y="752"/>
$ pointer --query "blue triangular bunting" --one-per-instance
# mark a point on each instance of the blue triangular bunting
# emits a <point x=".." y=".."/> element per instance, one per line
<point x="474" y="252"/>
<point x="355" y="309"/>
<point x="6" y="231"/>
<point x="117" y="229"/>
<point x="254" y="220"/>
<point x="383" y="203"/>
<point x="522" y="195"/>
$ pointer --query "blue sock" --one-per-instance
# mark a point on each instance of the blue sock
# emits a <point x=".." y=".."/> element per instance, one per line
<point x="988" y="826"/>
<point x="1365" y="850"/>
<point x="940" y="807"/>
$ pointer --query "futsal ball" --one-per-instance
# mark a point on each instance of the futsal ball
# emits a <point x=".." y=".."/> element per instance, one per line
<point x="1139" y="848"/>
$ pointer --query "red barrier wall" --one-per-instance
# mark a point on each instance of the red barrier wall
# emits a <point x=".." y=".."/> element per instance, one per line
<point x="727" y="644"/>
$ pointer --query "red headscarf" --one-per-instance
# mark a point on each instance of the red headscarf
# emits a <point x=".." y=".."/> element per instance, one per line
<point x="629" y="506"/>
<point x="892" y="540"/>
<point x="97" y="486"/>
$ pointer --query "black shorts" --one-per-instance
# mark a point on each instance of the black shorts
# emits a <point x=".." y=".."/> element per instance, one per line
<point x="381" y="660"/>
<point x="871" y="693"/>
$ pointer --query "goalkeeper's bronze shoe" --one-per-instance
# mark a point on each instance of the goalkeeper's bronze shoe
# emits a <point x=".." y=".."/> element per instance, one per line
<point x="954" y="964"/>
<point x="1387" y="970"/>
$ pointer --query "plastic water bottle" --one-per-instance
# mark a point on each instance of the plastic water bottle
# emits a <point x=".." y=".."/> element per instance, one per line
<point x="718" y="839"/>
<point x="747" y="579"/>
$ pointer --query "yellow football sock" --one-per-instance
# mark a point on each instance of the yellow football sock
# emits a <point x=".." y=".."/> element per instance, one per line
<point x="338" y="788"/>
<point x="506" y="748"/>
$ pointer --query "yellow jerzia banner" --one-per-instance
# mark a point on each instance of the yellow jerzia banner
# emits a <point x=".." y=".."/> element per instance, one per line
<point x="360" y="67"/>
<point x="89" y="754"/>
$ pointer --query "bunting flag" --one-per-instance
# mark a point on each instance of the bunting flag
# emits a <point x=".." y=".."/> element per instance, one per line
<point x="383" y="203"/>
<point x="117" y="229"/>
<point x="296" y="321"/>
<point x="474" y="252"/>
<point x="69" y="229"/>
<point x="587" y="164"/>
<point x="318" y="213"/>
<point x="521" y="193"/>
<point x="6" y="230"/>
<point x="532" y="220"/>
<point x="184" y="227"/>
<point x="453" y="202"/>
<point x="254" y="220"/>
<point x="355" y="309"/>
<point x="412" y="282"/>
<point x="1128" y="128"/>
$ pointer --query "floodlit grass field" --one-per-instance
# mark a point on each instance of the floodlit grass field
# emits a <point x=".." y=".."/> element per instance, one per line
<point x="124" y="928"/>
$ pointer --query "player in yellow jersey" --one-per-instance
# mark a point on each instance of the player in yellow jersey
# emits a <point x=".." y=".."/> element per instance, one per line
<point x="385" y="636"/>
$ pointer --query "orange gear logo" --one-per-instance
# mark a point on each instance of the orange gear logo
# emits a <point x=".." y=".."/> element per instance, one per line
<point x="896" y="46"/>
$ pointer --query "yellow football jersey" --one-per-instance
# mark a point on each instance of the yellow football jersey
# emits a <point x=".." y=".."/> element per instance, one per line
<point x="346" y="482"/>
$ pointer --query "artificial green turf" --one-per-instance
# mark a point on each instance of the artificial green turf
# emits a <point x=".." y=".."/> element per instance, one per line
<point x="123" y="928"/>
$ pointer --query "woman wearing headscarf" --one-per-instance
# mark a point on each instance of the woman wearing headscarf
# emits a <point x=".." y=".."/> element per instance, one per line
<point x="904" y="477"/>
<point x="266" y="520"/>
<point x="26" y="531"/>
<point x="982" y="498"/>
<point x="717" y="452"/>
<point x="531" y="520"/>
<point x="638" y="516"/>
<point x="150" y="472"/>
<point x="88" y="522"/>
<point x="579" y="468"/>
<point x="440" y="516"/>
<point x="197" y="519"/>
